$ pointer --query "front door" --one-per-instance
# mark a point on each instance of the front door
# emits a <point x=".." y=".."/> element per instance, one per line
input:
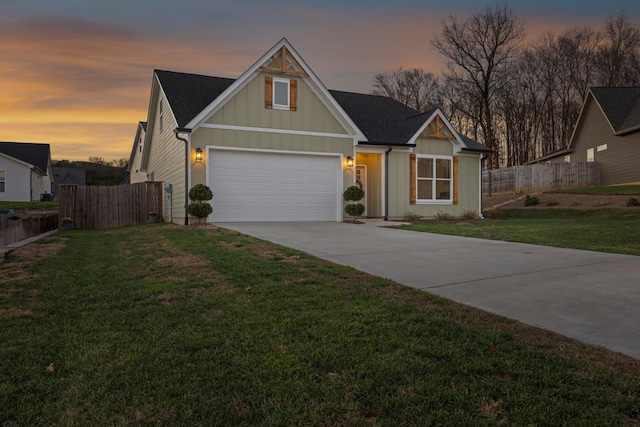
<point x="361" y="181"/>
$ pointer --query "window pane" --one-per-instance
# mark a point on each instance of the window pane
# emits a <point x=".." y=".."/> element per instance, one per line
<point x="425" y="189"/>
<point x="1" y="181"/>
<point x="281" y="93"/>
<point x="425" y="168"/>
<point x="590" y="155"/>
<point x="443" y="168"/>
<point x="443" y="190"/>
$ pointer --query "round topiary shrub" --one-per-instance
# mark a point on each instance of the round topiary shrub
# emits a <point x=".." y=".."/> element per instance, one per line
<point x="200" y="210"/>
<point x="200" y="194"/>
<point x="354" y="209"/>
<point x="353" y="194"/>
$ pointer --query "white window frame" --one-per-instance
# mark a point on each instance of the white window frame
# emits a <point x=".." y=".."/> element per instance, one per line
<point x="3" y="181"/>
<point x="434" y="180"/>
<point x="591" y="156"/>
<point x="277" y="106"/>
<point x="161" y="116"/>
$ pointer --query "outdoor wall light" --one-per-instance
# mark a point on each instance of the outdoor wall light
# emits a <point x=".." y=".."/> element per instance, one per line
<point x="349" y="162"/>
<point x="198" y="155"/>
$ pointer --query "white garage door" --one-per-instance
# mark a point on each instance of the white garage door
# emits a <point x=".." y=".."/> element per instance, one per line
<point x="262" y="186"/>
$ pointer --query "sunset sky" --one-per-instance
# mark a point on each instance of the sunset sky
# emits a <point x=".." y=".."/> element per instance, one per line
<point x="77" y="73"/>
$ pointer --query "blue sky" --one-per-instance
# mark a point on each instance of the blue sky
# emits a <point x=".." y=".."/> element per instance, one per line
<point x="77" y="74"/>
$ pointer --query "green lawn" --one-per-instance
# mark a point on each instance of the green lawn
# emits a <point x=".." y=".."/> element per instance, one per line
<point x="169" y="325"/>
<point x="611" y="189"/>
<point x="603" y="230"/>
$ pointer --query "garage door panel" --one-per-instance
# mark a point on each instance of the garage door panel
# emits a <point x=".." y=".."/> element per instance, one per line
<point x="261" y="186"/>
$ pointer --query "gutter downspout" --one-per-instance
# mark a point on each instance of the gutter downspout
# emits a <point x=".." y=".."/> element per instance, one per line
<point x="386" y="183"/>
<point x="186" y="171"/>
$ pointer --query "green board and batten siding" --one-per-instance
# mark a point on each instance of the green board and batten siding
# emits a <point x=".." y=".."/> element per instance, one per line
<point x="247" y="109"/>
<point x="399" y="185"/>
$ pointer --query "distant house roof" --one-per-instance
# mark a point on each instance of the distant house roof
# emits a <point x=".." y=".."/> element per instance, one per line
<point x="144" y="125"/>
<point x="381" y="119"/>
<point x="38" y="155"/>
<point x="621" y="106"/>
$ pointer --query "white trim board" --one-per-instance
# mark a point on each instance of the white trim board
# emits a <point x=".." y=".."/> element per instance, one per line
<point x="279" y="131"/>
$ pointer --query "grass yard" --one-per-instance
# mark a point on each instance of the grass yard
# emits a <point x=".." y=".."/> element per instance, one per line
<point x="602" y="230"/>
<point x="621" y="190"/>
<point x="168" y="325"/>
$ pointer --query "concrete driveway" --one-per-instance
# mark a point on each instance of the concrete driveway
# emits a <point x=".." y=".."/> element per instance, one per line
<point x="591" y="296"/>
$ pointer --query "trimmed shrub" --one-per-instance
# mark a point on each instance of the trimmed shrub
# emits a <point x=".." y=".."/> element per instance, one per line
<point x="200" y="194"/>
<point x="353" y="194"/>
<point x="531" y="200"/>
<point x="633" y="202"/>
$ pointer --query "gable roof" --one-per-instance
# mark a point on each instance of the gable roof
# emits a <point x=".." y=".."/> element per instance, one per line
<point x="380" y="118"/>
<point x="621" y="106"/>
<point x="38" y="155"/>
<point x="189" y="94"/>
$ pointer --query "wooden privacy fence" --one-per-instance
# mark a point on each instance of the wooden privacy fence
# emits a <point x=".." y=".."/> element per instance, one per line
<point x="93" y="206"/>
<point x="15" y="227"/>
<point x="540" y="177"/>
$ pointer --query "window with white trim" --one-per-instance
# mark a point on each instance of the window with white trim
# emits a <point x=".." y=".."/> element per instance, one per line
<point x="590" y="155"/>
<point x="1" y="181"/>
<point x="161" y="116"/>
<point x="281" y="93"/>
<point x="434" y="178"/>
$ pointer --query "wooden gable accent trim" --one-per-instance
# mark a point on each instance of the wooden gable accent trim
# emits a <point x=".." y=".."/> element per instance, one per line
<point x="438" y="129"/>
<point x="412" y="179"/>
<point x="284" y="62"/>
<point x="455" y="180"/>
<point x="268" y="92"/>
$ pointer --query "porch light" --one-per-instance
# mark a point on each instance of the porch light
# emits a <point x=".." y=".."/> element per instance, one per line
<point x="198" y="155"/>
<point x="349" y="162"/>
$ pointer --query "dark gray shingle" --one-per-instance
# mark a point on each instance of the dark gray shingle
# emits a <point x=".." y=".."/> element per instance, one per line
<point x="621" y="105"/>
<point x="32" y="153"/>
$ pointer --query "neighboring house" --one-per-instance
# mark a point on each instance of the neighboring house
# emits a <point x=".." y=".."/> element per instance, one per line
<point x="276" y="145"/>
<point x="67" y="176"/>
<point x="607" y="132"/>
<point x="25" y="171"/>
<point x="135" y="159"/>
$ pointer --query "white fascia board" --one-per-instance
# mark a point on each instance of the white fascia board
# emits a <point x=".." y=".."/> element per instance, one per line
<point x="460" y="143"/>
<point x="317" y="87"/>
<point x="134" y="149"/>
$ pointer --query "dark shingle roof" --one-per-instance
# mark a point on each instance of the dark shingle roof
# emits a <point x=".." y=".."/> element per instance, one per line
<point x="189" y="94"/>
<point x="144" y="126"/>
<point x="32" y="153"/>
<point x="621" y="105"/>
<point x="381" y="119"/>
<point x="474" y="145"/>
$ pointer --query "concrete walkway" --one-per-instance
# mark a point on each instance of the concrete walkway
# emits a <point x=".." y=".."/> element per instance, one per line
<point x="591" y="296"/>
<point x="4" y="250"/>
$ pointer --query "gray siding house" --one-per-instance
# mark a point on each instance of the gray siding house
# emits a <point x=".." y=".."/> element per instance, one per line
<point x="607" y="132"/>
<point x="25" y="171"/>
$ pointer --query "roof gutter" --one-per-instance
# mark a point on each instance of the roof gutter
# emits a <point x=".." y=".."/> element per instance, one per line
<point x="186" y="169"/>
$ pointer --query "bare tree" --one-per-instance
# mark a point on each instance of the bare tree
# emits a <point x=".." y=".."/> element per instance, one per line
<point x="414" y="88"/>
<point x="618" y="59"/>
<point x="481" y="52"/>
